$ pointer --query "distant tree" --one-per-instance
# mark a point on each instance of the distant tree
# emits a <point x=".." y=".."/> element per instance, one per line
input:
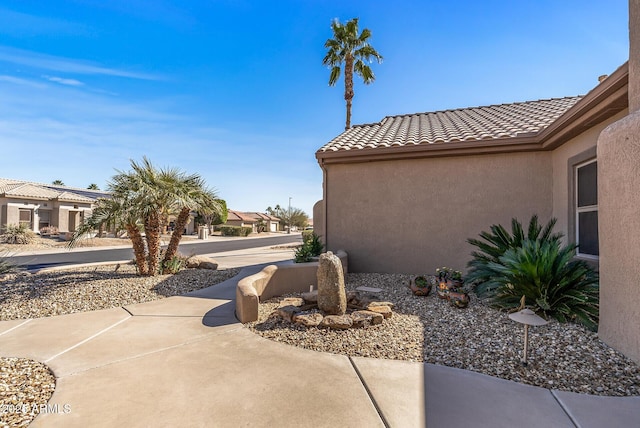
<point x="354" y="51"/>
<point x="294" y="217"/>
<point x="93" y="186"/>
<point x="57" y="183"/>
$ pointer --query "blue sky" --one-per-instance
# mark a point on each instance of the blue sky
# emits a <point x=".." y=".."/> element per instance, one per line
<point x="235" y="90"/>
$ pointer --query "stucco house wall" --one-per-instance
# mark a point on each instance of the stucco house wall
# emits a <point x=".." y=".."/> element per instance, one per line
<point x="577" y="150"/>
<point x="415" y="215"/>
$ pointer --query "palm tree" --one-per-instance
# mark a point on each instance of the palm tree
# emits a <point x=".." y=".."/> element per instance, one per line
<point x="117" y="213"/>
<point x="354" y="51"/>
<point x="57" y="183"/>
<point x="93" y="186"/>
<point x="189" y="193"/>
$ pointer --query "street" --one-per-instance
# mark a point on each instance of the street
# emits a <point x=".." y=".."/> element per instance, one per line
<point x="41" y="261"/>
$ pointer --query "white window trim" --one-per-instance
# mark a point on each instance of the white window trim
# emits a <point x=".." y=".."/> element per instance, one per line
<point x="578" y="210"/>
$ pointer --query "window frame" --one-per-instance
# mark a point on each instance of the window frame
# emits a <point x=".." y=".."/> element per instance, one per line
<point x="584" y="209"/>
<point x="573" y="163"/>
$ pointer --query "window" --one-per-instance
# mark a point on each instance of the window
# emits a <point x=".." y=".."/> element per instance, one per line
<point x="25" y="218"/>
<point x="586" y="209"/>
<point x="45" y="219"/>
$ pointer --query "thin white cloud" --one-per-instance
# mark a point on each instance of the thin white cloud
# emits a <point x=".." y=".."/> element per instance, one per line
<point x="49" y="62"/>
<point x="19" y="81"/>
<point x="63" y="81"/>
<point x="25" y="25"/>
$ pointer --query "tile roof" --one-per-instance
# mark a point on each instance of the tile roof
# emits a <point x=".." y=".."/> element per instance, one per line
<point x="493" y="122"/>
<point x="25" y="189"/>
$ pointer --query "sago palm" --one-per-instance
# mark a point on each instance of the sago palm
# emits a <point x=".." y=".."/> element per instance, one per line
<point x="495" y="243"/>
<point x="352" y="50"/>
<point x="550" y="279"/>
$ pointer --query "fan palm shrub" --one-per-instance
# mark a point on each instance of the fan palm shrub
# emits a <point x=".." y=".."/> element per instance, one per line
<point x="494" y="244"/>
<point x="547" y="275"/>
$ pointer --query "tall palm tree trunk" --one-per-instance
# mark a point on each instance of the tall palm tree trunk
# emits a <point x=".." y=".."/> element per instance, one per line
<point x="152" y="232"/>
<point x="138" y="248"/>
<point x="348" y="87"/>
<point x="181" y="223"/>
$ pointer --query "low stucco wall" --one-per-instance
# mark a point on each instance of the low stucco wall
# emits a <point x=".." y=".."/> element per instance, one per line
<point x="414" y="215"/>
<point x="276" y="280"/>
<point x="619" y="231"/>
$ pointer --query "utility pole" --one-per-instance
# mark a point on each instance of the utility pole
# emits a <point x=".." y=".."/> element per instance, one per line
<point x="289" y="230"/>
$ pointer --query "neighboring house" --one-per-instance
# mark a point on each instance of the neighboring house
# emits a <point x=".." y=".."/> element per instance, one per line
<point x="403" y="195"/>
<point x="40" y="205"/>
<point x="252" y="219"/>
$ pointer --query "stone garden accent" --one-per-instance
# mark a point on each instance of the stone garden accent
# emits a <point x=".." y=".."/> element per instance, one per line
<point x="332" y="298"/>
<point x="360" y="311"/>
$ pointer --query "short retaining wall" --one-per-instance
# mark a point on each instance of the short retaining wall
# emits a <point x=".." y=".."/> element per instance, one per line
<point x="276" y="280"/>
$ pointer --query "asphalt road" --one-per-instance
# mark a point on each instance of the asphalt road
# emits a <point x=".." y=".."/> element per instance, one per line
<point x="41" y="261"/>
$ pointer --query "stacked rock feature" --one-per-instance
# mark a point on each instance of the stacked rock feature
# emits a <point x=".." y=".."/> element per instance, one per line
<point x="360" y="312"/>
<point x="331" y="306"/>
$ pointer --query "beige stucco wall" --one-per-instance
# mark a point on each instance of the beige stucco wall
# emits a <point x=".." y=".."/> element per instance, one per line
<point x="415" y="215"/>
<point x="560" y="160"/>
<point x="318" y="219"/>
<point x="619" y="230"/>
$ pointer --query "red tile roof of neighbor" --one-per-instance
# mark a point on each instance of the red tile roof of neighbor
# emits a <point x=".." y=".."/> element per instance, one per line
<point x="449" y="126"/>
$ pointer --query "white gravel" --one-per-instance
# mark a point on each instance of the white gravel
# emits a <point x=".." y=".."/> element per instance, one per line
<point x="565" y="357"/>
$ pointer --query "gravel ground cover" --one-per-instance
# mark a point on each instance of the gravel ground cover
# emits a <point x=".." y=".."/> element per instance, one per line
<point x="565" y="357"/>
<point x="25" y="385"/>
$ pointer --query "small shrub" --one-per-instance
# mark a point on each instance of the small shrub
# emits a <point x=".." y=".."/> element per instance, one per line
<point x="302" y="254"/>
<point x="315" y="245"/>
<point x="235" y="230"/>
<point x="546" y="274"/>
<point x="174" y="265"/>
<point x="49" y="230"/>
<point x="20" y="234"/>
<point x="307" y="235"/>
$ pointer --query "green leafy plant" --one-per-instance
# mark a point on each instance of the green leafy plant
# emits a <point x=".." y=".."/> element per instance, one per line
<point x="494" y="244"/>
<point x="312" y="246"/>
<point x="235" y="231"/>
<point x="173" y="265"/>
<point x="315" y="245"/>
<point x="445" y="274"/>
<point x="18" y="234"/>
<point x="545" y="273"/>
<point x="302" y="254"/>
<point x="307" y="235"/>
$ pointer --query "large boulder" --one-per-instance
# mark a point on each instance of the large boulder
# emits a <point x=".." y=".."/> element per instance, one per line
<point x="332" y="298"/>
<point x="202" y="262"/>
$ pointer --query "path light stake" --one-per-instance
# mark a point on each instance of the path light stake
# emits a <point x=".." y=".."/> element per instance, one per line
<point x="527" y="317"/>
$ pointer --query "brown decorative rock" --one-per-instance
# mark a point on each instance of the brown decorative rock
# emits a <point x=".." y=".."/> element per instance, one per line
<point x="291" y="301"/>
<point x="287" y="312"/>
<point x="308" y="319"/>
<point x="384" y="310"/>
<point x="201" y="262"/>
<point x="389" y="304"/>
<point x="337" y="322"/>
<point x="332" y="298"/>
<point x="366" y="318"/>
<point x="310" y="296"/>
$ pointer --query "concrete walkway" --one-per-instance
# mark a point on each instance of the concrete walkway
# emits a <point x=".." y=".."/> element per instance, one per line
<point x="187" y="362"/>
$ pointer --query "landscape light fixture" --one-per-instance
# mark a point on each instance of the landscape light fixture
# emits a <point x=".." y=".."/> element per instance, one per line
<point x="527" y="317"/>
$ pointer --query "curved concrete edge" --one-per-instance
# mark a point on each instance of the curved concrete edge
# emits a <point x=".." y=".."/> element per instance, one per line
<point x="276" y="280"/>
